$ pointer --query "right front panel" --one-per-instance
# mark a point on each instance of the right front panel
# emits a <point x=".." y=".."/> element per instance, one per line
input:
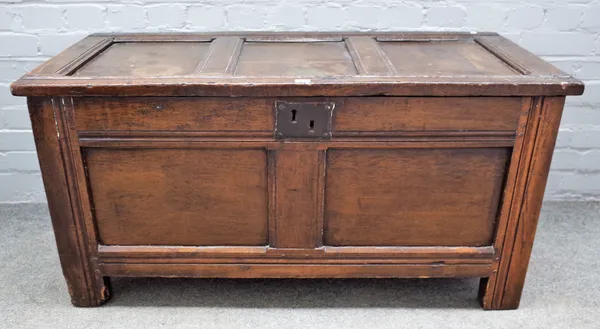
<point x="412" y="197"/>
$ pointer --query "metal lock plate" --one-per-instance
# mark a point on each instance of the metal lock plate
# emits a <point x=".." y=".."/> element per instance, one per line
<point x="303" y="119"/>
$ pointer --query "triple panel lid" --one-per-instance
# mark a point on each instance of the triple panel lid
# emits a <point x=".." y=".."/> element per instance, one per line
<point x="297" y="64"/>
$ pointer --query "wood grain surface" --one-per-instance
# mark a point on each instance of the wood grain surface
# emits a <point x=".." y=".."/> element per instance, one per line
<point x="179" y="197"/>
<point x="297" y="64"/>
<point x="409" y="197"/>
<point x="159" y="157"/>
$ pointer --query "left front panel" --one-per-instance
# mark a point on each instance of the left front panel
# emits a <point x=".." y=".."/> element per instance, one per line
<point x="187" y="197"/>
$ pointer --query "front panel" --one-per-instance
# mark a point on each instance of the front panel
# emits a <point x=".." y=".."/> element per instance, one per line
<point x="413" y="197"/>
<point x="179" y="197"/>
<point x="210" y="174"/>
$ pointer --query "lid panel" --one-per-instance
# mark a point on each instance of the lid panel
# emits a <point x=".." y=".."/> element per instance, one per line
<point x="139" y="59"/>
<point x="297" y="64"/>
<point x="443" y="58"/>
<point x="295" y="59"/>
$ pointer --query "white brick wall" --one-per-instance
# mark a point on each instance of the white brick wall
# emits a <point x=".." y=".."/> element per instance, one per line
<point x="564" y="32"/>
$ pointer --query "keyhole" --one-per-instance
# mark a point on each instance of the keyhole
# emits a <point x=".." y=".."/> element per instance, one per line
<point x="311" y="126"/>
<point x="294" y="116"/>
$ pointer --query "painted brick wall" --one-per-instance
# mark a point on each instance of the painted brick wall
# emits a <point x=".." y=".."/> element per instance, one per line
<point x="564" y="32"/>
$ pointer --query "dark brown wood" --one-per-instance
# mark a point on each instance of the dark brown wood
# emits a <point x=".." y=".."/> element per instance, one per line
<point x="300" y="64"/>
<point x="85" y="57"/>
<point x="517" y="56"/>
<point x="68" y="59"/>
<point x="422" y="197"/>
<point x="513" y="188"/>
<point x="293" y="87"/>
<point x="463" y="57"/>
<point x="347" y="143"/>
<point x="406" y="114"/>
<point x="302" y="271"/>
<point x="351" y="115"/>
<point x="368" y="56"/>
<point x="296" y="203"/>
<point x="257" y="155"/>
<point x="540" y="137"/>
<point x="222" y="57"/>
<point x="179" y="197"/>
<point x="85" y="284"/>
<point x="139" y="59"/>
<point x="295" y="59"/>
<point x="324" y="253"/>
<point x="148" y="114"/>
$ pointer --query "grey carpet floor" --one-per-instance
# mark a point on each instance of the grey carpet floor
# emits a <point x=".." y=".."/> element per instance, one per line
<point x="562" y="289"/>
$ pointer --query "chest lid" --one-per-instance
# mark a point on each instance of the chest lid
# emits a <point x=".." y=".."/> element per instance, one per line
<point x="296" y="64"/>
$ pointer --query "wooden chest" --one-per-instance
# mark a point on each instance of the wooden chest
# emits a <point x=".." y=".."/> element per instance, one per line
<point x="304" y="155"/>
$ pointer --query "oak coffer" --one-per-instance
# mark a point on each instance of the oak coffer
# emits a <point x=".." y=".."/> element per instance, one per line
<point x="295" y="155"/>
